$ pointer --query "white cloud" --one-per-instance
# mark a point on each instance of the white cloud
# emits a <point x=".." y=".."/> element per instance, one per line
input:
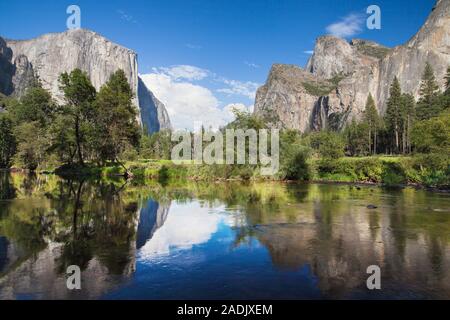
<point x="189" y="103"/>
<point x="126" y="17"/>
<point x="183" y="72"/>
<point x="308" y="51"/>
<point x="186" y="103"/>
<point x="251" y="64"/>
<point x="247" y="89"/>
<point x="182" y="231"/>
<point x="228" y="109"/>
<point x="347" y="26"/>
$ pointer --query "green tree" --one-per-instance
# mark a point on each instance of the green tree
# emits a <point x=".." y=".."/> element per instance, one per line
<point x="433" y="135"/>
<point x="372" y="119"/>
<point x="7" y="141"/>
<point x="36" y="105"/>
<point x="116" y="126"/>
<point x="393" y="112"/>
<point x="358" y="138"/>
<point x="156" y="146"/>
<point x="32" y="145"/>
<point x="294" y="156"/>
<point x="329" y="144"/>
<point x="79" y="94"/>
<point x="408" y="107"/>
<point x="61" y="134"/>
<point x="428" y="105"/>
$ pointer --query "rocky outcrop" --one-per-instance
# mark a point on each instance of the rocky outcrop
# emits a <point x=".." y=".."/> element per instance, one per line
<point x="51" y="54"/>
<point x="16" y="73"/>
<point x="339" y="76"/>
<point x="152" y="110"/>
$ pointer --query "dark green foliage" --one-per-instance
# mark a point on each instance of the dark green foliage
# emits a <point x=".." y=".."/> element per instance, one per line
<point x="433" y="135"/>
<point x="373" y="122"/>
<point x="79" y="94"/>
<point x="32" y="145"/>
<point x="329" y="145"/>
<point x="294" y="156"/>
<point x="393" y="174"/>
<point x="35" y="105"/>
<point x="31" y="117"/>
<point x="429" y="102"/>
<point x="393" y="116"/>
<point x="318" y="89"/>
<point x="116" y="129"/>
<point x="358" y="138"/>
<point x="372" y="50"/>
<point x="7" y="142"/>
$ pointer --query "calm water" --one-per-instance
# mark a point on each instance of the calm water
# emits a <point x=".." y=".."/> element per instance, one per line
<point x="231" y="241"/>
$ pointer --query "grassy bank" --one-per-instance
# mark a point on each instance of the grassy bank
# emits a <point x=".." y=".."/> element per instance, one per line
<point x="385" y="170"/>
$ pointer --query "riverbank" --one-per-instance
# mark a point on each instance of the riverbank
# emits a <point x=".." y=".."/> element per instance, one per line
<point x="380" y="170"/>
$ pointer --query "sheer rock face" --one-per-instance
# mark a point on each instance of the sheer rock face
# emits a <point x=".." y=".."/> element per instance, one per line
<point x="16" y="73"/>
<point x="154" y="112"/>
<point x="340" y="75"/>
<point x="51" y="54"/>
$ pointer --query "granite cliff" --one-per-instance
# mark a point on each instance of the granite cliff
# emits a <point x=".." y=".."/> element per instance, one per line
<point x="51" y="54"/>
<point x="333" y="87"/>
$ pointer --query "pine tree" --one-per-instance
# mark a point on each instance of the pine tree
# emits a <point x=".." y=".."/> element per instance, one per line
<point x="373" y="121"/>
<point x="116" y="123"/>
<point x="7" y="141"/>
<point x="393" y="112"/>
<point x="429" y="91"/>
<point x="408" y="107"/>
<point x="79" y="94"/>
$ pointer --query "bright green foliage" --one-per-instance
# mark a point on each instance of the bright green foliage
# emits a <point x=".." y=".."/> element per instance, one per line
<point x="35" y="105"/>
<point x="245" y="120"/>
<point x="116" y="126"/>
<point x="294" y="157"/>
<point x="32" y="145"/>
<point x="433" y="135"/>
<point x="79" y="94"/>
<point x="7" y="142"/>
<point x="329" y="144"/>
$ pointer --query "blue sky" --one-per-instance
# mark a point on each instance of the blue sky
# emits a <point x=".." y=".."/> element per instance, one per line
<point x="201" y="56"/>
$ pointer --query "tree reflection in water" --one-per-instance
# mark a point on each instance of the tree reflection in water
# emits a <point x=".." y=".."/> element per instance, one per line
<point x="47" y="224"/>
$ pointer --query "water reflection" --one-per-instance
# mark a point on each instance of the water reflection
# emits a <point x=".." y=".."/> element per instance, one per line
<point x="193" y="240"/>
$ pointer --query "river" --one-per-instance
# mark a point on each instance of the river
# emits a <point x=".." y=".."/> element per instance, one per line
<point x="145" y="240"/>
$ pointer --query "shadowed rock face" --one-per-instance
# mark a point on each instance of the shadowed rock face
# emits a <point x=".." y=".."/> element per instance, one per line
<point x="52" y="54"/>
<point x="153" y="112"/>
<point x="16" y="73"/>
<point x="339" y="76"/>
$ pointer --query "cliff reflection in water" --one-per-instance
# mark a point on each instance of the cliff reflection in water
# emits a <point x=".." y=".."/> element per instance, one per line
<point x="113" y="229"/>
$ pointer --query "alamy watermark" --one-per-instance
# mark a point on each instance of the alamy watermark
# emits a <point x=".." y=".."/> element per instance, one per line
<point x="73" y="281"/>
<point x="74" y="20"/>
<point x="374" y="20"/>
<point x="374" y="280"/>
<point x="233" y="146"/>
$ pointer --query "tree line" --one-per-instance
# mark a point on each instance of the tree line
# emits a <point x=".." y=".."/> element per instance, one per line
<point x="89" y="126"/>
<point x="406" y="125"/>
